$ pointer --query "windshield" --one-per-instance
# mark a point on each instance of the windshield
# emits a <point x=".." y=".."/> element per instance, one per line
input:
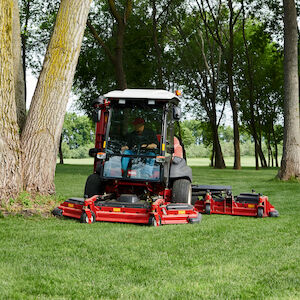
<point x="133" y="142"/>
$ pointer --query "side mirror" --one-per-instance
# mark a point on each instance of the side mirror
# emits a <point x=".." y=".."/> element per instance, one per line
<point x="96" y="115"/>
<point x="93" y="152"/>
<point x="176" y="113"/>
<point x="98" y="101"/>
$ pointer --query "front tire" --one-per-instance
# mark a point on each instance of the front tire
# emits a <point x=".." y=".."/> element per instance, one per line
<point x="93" y="186"/>
<point x="182" y="191"/>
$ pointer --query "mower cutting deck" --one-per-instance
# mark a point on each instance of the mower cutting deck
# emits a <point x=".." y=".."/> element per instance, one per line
<point x="219" y="200"/>
<point x="128" y="209"/>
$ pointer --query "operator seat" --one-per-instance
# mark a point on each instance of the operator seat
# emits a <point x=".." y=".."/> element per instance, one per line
<point x="178" y="151"/>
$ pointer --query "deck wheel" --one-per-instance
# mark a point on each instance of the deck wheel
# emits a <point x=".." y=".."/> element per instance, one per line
<point x="153" y="221"/>
<point x="85" y="219"/>
<point x="207" y="208"/>
<point x="260" y="212"/>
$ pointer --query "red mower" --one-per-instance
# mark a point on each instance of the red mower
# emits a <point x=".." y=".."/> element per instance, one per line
<point x="211" y="199"/>
<point x="140" y="175"/>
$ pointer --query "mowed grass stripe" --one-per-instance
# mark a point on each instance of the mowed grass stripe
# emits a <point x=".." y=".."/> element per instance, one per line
<point x="223" y="257"/>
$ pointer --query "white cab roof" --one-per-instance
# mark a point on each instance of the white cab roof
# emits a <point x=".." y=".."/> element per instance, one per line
<point x="141" y="94"/>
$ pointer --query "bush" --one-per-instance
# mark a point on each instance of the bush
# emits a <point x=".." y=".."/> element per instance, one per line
<point x="194" y="151"/>
<point x="80" y="152"/>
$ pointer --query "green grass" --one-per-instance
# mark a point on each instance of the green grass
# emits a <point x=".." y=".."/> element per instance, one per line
<point x="223" y="257"/>
<point x="246" y="161"/>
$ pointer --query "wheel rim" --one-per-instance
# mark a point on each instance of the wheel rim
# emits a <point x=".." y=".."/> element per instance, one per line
<point x="154" y="222"/>
<point x="87" y="219"/>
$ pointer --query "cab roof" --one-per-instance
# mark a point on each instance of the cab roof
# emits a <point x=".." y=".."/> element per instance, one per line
<point x="142" y="94"/>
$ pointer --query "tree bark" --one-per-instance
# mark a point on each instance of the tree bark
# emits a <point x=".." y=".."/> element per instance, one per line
<point x="40" y="138"/>
<point x="18" y="68"/>
<point x="10" y="158"/>
<point x="290" y="163"/>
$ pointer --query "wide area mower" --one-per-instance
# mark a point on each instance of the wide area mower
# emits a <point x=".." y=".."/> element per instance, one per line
<point x="210" y="199"/>
<point x="140" y="174"/>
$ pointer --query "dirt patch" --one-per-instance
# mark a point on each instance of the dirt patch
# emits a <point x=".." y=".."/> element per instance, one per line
<point x="28" y="206"/>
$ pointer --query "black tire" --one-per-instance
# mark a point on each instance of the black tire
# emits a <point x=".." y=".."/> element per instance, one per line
<point x="207" y="208"/>
<point x="260" y="212"/>
<point x="196" y="220"/>
<point x="153" y="222"/>
<point x="57" y="212"/>
<point x="273" y="213"/>
<point x="93" y="186"/>
<point x="84" y="218"/>
<point x="182" y="191"/>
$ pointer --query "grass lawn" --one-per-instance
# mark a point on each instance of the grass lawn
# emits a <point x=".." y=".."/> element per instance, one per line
<point x="223" y="257"/>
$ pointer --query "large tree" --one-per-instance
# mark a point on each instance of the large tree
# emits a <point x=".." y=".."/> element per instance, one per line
<point x="10" y="157"/>
<point x="221" y="22"/>
<point x="290" y="163"/>
<point x="28" y="161"/>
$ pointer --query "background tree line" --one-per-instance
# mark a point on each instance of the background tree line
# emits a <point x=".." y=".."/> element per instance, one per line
<point x="224" y="54"/>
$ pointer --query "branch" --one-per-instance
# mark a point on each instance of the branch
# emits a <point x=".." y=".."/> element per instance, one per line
<point x="114" y="11"/>
<point x="128" y="10"/>
<point x="100" y="41"/>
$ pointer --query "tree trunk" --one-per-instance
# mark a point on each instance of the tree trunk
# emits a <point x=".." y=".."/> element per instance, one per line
<point x="61" y="156"/>
<point x="10" y="158"/>
<point x="40" y="138"/>
<point x="157" y="47"/>
<point x="18" y="68"/>
<point x="212" y="156"/>
<point x="256" y="156"/>
<point x="290" y="163"/>
<point x="219" y="162"/>
<point x="119" y="68"/>
<point x="233" y="102"/>
<point x="236" y="137"/>
<point x="263" y="161"/>
<point x="276" y="147"/>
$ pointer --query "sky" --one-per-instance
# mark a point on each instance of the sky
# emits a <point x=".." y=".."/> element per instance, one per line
<point x="31" y="84"/>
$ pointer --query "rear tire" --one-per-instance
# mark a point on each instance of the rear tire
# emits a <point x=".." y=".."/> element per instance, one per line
<point x="84" y="218"/>
<point x="93" y="186"/>
<point x="182" y="191"/>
